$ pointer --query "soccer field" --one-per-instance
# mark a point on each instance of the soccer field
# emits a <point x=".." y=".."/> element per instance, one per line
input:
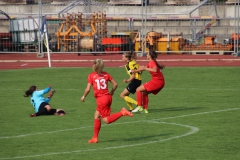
<point x="195" y="117"/>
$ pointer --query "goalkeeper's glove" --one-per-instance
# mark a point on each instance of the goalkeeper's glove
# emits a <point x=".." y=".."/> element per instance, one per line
<point x="51" y="93"/>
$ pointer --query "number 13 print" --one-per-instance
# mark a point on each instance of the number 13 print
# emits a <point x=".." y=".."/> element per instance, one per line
<point x="101" y="84"/>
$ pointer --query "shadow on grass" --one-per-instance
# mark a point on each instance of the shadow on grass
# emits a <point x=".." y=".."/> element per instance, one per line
<point x="174" y="109"/>
<point x="152" y="138"/>
<point x="141" y="138"/>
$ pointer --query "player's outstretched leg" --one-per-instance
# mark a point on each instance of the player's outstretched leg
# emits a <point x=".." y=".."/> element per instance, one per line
<point x="125" y="112"/>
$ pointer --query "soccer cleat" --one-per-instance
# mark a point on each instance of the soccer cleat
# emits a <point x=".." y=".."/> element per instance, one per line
<point x="93" y="140"/>
<point x="145" y="111"/>
<point x="125" y="112"/>
<point x="33" y="115"/>
<point x="138" y="108"/>
<point x="130" y="110"/>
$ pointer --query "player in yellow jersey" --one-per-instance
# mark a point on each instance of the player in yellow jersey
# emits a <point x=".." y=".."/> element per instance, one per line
<point x="134" y="81"/>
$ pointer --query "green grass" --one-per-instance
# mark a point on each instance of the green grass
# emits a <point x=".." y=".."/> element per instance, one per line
<point x="195" y="117"/>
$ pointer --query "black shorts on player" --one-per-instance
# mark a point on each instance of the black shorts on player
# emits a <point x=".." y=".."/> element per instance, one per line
<point x="133" y="85"/>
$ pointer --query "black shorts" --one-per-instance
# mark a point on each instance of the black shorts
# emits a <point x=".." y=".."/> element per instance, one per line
<point x="42" y="106"/>
<point x="133" y="85"/>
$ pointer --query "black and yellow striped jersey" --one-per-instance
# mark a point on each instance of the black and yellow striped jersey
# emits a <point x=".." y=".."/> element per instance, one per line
<point x="133" y="65"/>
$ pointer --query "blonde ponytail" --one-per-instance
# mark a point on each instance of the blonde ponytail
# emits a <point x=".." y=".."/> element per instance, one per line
<point x="98" y="66"/>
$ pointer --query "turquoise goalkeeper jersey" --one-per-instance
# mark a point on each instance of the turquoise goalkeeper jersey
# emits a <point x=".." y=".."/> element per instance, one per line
<point x="37" y="98"/>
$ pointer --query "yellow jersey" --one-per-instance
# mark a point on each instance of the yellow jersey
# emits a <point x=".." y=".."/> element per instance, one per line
<point x="133" y="65"/>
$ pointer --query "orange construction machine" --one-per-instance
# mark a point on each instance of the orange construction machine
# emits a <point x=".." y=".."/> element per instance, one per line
<point x="73" y="34"/>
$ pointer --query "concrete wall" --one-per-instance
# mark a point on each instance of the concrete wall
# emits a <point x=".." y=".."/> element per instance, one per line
<point x="223" y="28"/>
<point x="224" y="11"/>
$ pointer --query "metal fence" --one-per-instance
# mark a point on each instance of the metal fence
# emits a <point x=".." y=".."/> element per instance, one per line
<point x="91" y="26"/>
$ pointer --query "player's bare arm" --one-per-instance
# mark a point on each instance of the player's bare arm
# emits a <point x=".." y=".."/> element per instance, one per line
<point x="87" y="90"/>
<point x="114" y="87"/>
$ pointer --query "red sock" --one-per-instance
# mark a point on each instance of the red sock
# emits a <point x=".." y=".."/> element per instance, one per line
<point x="97" y="127"/>
<point x="145" y="101"/>
<point x="113" y="117"/>
<point x="139" y="98"/>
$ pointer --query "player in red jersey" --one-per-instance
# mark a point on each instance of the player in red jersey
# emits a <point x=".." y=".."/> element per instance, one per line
<point x="155" y="85"/>
<point x="99" y="81"/>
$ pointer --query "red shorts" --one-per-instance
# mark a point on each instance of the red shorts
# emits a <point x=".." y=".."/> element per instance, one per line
<point x="104" y="104"/>
<point x="154" y="86"/>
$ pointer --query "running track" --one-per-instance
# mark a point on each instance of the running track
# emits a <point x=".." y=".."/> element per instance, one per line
<point x="23" y="61"/>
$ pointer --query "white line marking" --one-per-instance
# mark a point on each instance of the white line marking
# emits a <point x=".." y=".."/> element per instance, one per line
<point x="201" y="113"/>
<point x="25" y="64"/>
<point x="192" y="131"/>
<point x="39" y="133"/>
<point x="116" y="60"/>
<point x="202" y="89"/>
<point x="71" y="129"/>
<point x="166" y="88"/>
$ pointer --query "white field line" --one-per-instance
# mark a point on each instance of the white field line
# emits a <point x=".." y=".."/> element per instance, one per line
<point x="39" y="133"/>
<point x="25" y="64"/>
<point x="201" y="113"/>
<point x="80" y="89"/>
<point x="192" y="131"/>
<point x="71" y="129"/>
<point x="82" y="60"/>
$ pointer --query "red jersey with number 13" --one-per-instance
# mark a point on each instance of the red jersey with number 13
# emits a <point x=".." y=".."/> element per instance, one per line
<point x="99" y="83"/>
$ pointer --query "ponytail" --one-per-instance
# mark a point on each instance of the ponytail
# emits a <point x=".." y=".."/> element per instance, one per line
<point x="161" y="66"/>
<point x="98" y="66"/>
<point x="30" y="91"/>
<point x="154" y="56"/>
<point x="130" y="55"/>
